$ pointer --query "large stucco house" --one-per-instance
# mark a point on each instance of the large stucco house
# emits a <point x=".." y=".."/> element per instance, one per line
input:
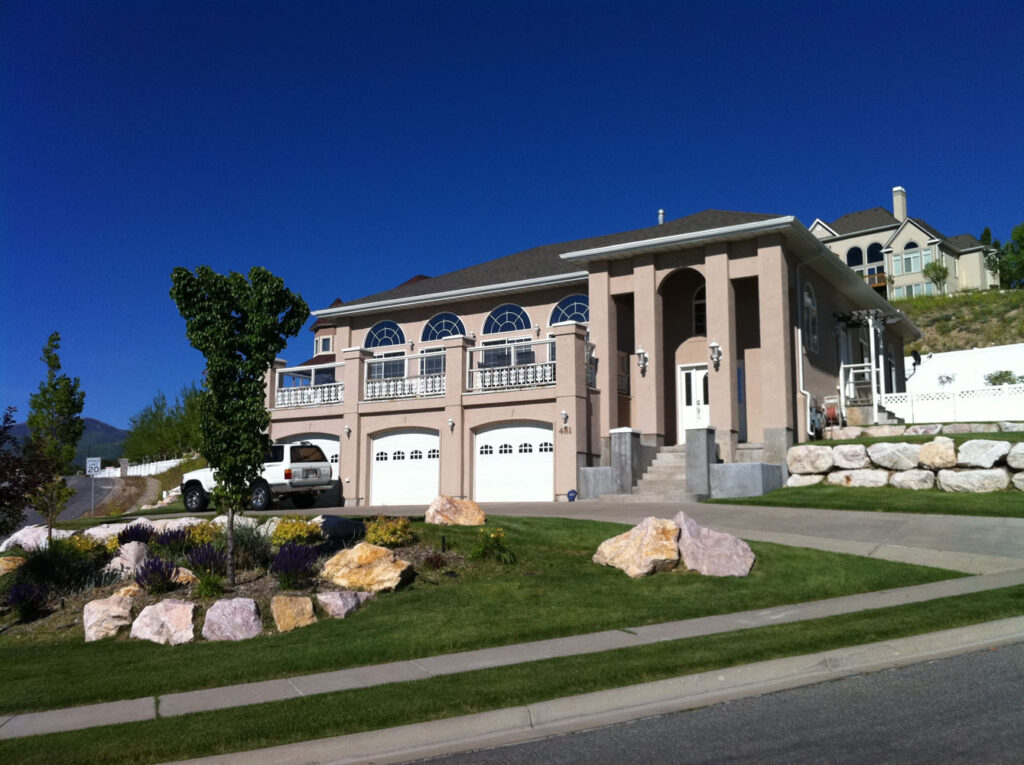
<point x="879" y="244"/>
<point x="506" y="380"/>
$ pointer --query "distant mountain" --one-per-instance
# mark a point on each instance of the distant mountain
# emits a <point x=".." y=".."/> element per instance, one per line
<point x="98" y="440"/>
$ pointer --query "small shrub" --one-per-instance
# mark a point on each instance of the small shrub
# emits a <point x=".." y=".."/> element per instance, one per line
<point x="389" y="532"/>
<point x="85" y="545"/>
<point x="206" y="532"/>
<point x="135" y="532"/>
<point x="252" y="548"/>
<point x="294" y="565"/>
<point x="206" y="559"/>
<point x="171" y="543"/>
<point x="491" y="544"/>
<point x="435" y="561"/>
<point x="27" y="599"/>
<point x="64" y="566"/>
<point x="211" y="584"/>
<point x="156" y="575"/>
<point x="294" y="529"/>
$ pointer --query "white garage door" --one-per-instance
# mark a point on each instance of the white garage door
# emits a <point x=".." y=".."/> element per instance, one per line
<point x="514" y="463"/>
<point x="405" y="468"/>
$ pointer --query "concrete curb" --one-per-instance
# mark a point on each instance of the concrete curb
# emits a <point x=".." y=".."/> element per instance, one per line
<point x="592" y="710"/>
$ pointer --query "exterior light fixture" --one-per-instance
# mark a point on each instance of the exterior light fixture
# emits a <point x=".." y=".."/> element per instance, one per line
<point x="348" y="431"/>
<point x="642" y="359"/>
<point x="536" y="328"/>
<point x="716" y="353"/>
<point x="451" y="424"/>
<point x="565" y="417"/>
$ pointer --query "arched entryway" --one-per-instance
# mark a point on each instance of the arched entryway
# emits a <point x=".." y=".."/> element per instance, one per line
<point x="684" y="336"/>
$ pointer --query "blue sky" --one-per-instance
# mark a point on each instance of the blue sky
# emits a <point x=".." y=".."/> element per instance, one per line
<point x="347" y="146"/>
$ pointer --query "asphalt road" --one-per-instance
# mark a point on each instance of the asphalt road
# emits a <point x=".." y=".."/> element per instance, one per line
<point x="81" y="503"/>
<point x="962" y="709"/>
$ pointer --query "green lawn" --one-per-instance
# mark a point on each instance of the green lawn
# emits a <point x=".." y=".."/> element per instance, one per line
<point x="347" y="712"/>
<point x="887" y="499"/>
<point x="553" y="590"/>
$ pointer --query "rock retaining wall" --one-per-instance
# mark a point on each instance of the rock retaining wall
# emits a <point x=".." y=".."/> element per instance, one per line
<point x="977" y="466"/>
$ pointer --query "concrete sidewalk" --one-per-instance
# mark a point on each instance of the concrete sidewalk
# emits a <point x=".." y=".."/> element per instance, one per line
<point x="171" y="705"/>
<point x="618" y="705"/>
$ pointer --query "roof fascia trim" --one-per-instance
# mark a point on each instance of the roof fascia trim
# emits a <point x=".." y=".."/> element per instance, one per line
<point x="467" y="292"/>
<point x="694" y="237"/>
<point x="861" y="232"/>
<point x="823" y="224"/>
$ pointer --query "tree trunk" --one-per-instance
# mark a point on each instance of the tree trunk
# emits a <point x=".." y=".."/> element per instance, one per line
<point x="231" y="545"/>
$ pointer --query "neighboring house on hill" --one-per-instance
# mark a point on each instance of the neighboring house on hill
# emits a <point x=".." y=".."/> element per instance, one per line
<point x="500" y="381"/>
<point x="878" y="244"/>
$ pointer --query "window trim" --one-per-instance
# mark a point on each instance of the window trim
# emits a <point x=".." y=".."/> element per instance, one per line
<point x="374" y="339"/>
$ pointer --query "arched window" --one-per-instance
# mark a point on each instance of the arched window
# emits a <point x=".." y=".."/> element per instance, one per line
<point x="384" y="333"/>
<point x="854" y="257"/>
<point x="810" y="323"/>
<point x="910" y="246"/>
<point x="700" y="311"/>
<point x="506" y="318"/>
<point x="572" y="308"/>
<point x="441" y="326"/>
<point x="875" y="254"/>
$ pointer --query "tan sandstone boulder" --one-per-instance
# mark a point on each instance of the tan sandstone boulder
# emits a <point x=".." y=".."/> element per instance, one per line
<point x="710" y="552"/>
<point x="184" y="576"/>
<point x="10" y="563"/>
<point x="648" y="547"/>
<point x="292" y="611"/>
<point x="938" y="454"/>
<point x="367" y="567"/>
<point x="449" y="511"/>
<point x="104" y="618"/>
<point x="132" y="590"/>
<point x="168" y="622"/>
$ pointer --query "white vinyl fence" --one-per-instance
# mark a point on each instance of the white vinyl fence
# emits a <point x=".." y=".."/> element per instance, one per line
<point x="989" y="404"/>
<point x="143" y="468"/>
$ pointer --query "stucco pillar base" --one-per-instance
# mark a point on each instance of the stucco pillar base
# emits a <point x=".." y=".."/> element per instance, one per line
<point x="727" y="442"/>
<point x="606" y="452"/>
<point x="627" y="459"/>
<point x="700" y="454"/>
<point x="776" y="443"/>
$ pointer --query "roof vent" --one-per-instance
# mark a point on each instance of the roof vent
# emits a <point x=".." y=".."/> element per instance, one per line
<point x="661" y="217"/>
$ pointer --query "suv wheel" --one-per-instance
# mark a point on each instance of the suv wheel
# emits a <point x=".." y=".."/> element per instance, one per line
<point x="260" y="498"/>
<point x="195" y="499"/>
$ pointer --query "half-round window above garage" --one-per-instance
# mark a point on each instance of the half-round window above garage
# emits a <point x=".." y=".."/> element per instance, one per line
<point x="506" y="318"/>
<point x="572" y="308"/>
<point x="441" y="326"/>
<point x="384" y="333"/>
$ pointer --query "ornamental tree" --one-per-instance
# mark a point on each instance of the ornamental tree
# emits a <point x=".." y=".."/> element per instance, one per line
<point x="240" y="325"/>
<point x="936" y="273"/>
<point x="56" y="426"/>
<point x="18" y="478"/>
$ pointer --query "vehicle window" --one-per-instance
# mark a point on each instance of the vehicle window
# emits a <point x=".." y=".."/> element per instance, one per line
<point x="276" y="454"/>
<point x="307" y="453"/>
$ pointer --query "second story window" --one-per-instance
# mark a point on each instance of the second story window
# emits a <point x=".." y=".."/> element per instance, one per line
<point x="506" y="318"/>
<point x="855" y="257"/>
<point x="384" y="333"/>
<point x="324" y="344"/>
<point x="700" y="311"/>
<point x="441" y="326"/>
<point x="572" y="308"/>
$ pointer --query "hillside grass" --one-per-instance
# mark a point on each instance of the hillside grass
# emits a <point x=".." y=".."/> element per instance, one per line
<point x="965" y="320"/>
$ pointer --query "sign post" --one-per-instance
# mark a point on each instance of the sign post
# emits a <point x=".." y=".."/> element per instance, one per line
<point x="92" y="467"/>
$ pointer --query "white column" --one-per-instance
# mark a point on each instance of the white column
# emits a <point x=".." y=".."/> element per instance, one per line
<point x="874" y="371"/>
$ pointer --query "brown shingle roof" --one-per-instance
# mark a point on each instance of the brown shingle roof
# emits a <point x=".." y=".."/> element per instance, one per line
<point x="545" y="260"/>
<point x="964" y="241"/>
<point x="863" y="220"/>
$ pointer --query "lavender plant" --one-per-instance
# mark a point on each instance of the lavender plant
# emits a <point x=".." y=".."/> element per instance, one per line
<point x="135" y="532"/>
<point x="156" y="575"/>
<point x="294" y="565"/>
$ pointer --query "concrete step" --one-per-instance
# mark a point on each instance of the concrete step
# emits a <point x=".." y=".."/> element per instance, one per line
<point x="673" y="449"/>
<point x="655" y="486"/>
<point x="670" y="458"/>
<point x="665" y="472"/>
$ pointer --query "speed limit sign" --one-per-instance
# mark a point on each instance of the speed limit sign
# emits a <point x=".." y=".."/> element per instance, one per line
<point x="92" y="465"/>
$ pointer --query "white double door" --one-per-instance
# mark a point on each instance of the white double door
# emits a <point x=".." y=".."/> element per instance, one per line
<point x="691" y="398"/>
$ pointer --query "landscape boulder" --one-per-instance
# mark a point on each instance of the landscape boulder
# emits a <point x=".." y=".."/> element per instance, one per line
<point x="449" y="511"/>
<point x="232" y="619"/>
<point x="858" y="479"/>
<point x="797" y="480"/>
<point x="104" y="531"/>
<point x="104" y="618"/>
<point x="367" y="567"/>
<point x="269" y="526"/>
<point x="984" y="427"/>
<point x="850" y="457"/>
<point x="128" y="559"/>
<point x="340" y="529"/>
<point x="32" y="538"/>
<point x="132" y="590"/>
<point x="1018" y="480"/>
<point x="1015" y="457"/>
<point x="981" y="453"/>
<point x="916" y="479"/>
<point x="184" y="576"/>
<point x="954" y="428"/>
<point x="923" y="430"/>
<point x="338" y="605"/>
<point x="648" y="547"/>
<point x="1011" y="427"/>
<point x="710" y="552"/>
<point x="842" y="434"/>
<point x="10" y="563"/>
<point x="937" y="454"/>
<point x="809" y="459"/>
<point x="292" y="611"/>
<point x="895" y="456"/>
<point x="168" y="622"/>
<point x="884" y="431"/>
<point x="974" y="481"/>
<point x="240" y="520"/>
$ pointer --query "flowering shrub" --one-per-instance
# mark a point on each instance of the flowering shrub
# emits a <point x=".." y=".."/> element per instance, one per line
<point x="26" y="598"/>
<point x="206" y="558"/>
<point x="294" y="529"/>
<point x="206" y="532"/>
<point x="491" y="544"/>
<point x="135" y="532"/>
<point x="389" y="532"/>
<point x="172" y="542"/>
<point x="83" y="544"/>
<point x="294" y="565"/>
<point x="156" y="575"/>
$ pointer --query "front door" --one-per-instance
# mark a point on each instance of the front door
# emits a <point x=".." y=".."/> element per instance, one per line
<point x="692" y="394"/>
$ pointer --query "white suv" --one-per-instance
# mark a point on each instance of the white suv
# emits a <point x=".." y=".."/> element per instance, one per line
<point x="300" y="471"/>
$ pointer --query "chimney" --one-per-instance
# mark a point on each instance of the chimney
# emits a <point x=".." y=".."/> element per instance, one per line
<point x="661" y="217"/>
<point x="899" y="203"/>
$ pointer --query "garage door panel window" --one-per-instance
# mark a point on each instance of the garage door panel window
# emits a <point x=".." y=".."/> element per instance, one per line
<point x="546" y="446"/>
<point x="526" y="448"/>
<point x="415" y="454"/>
<point x="400" y="474"/>
<point x="487" y="449"/>
<point x="514" y="463"/>
<point x="505" y="449"/>
<point x="433" y="454"/>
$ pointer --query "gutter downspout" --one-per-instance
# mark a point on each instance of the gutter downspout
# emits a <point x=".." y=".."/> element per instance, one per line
<point x="800" y="342"/>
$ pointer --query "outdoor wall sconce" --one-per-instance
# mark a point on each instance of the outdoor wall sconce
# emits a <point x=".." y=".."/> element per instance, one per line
<point x="451" y="424"/>
<point x="536" y="328"/>
<point x="565" y="417"/>
<point x="642" y="359"/>
<point x="348" y="431"/>
<point x="716" y="353"/>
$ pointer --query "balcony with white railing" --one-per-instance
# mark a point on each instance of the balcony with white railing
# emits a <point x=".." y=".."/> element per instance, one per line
<point x="403" y="376"/>
<point x="511" y="366"/>
<point x="318" y="385"/>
